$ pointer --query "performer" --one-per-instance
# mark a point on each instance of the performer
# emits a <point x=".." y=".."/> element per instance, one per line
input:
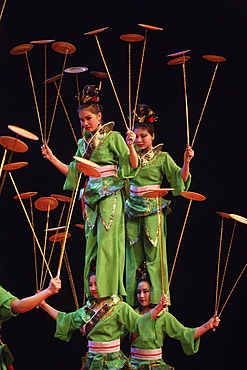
<point x="102" y="320"/>
<point x="143" y="231"/>
<point x="10" y="306"/>
<point x="149" y="355"/>
<point x="103" y="200"/>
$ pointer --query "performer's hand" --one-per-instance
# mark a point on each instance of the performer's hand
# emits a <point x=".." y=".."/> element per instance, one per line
<point x="46" y="152"/>
<point x="188" y="154"/>
<point x="130" y="137"/>
<point x="212" y="323"/>
<point x="54" y="286"/>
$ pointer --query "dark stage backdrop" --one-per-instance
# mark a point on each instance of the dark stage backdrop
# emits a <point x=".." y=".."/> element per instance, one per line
<point x="218" y="169"/>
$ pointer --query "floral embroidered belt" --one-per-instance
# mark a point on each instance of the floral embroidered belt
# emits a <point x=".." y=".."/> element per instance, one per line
<point x="105" y="171"/>
<point x="140" y="190"/>
<point x="146" y="354"/>
<point x="104" y="347"/>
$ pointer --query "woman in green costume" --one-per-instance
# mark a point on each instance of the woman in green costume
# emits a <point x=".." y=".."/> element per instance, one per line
<point x="146" y="217"/>
<point x="102" y="198"/>
<point x="103" y="320"/>
<point x="10" y="306"/>
<point x="148" y="355"/>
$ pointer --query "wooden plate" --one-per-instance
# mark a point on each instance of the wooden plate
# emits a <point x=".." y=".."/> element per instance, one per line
<point x="178" y="53"/>
<point x="26" y="195"/>
<point x="96" y="31"/>
<point x="63" y="47"/>
<point x="20" y="131"/>
<point x="131" y="37"/>
<point x="52" y="79"/>
<point x="21" y="49"/>
<point x="214" y="58"/>
<point x="239" y="218"/>
<point x="13" y="144"/>
<point x="76" y="69"/>
<point x="157" y="192"/>
<point x="45" y="203"/>
<point x="223" y="214"/>
<point x="154" y="28"/>
<point x="14" y="166"/>
<point x="61" y="198"/>
<point x="41" y="42"/>
<point x="58" y="237"/>
<point x="178" y="60"/>
<point x="193" y="196"/>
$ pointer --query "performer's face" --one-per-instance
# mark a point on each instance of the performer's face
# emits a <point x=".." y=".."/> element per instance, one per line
<point x="90" y="121"/>
<point x="143" y="293"/>
<point x="144" y="140"/>
<point x="93" y="286"/>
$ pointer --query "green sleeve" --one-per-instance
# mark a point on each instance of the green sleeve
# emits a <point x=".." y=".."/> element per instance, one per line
<point x="67" y="323"/>
<point x="121" y="150"/>
<point x="173" y="175"/>
<point x="5" y="305"/>
<point x="72" y="176"/>
<point x="141" y="325"/>
<point x="173" y="328"/>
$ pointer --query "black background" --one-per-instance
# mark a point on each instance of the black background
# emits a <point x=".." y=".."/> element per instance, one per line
<point x="218" y="169"/>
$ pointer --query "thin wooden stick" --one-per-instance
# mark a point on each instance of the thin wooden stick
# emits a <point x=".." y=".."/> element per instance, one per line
<point x="30" y="224"/>
<point x="234" y="286"/>
<point x="67" y="227"/>
<point x="218" y="267"/>
<point x="2" y="10"/>
<point x="114" y="90"/>
<point x="179" y="243"/>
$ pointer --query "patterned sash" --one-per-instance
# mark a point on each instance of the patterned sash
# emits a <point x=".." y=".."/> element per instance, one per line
<point x="96" y="318"/>
<point x="96" y="138"/>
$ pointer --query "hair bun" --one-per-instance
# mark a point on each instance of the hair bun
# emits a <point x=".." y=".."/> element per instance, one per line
<point x="144" y="114"/>
<point x="91" y="93"/>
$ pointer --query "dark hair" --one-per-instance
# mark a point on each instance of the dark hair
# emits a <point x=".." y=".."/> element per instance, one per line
<point x="94" y="107"/>
<point x="145" y="126"/>
<point x="142" y="280"/>
<point x="91" y="274"/>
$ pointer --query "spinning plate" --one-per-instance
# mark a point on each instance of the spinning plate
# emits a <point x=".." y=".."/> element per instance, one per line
<point x="224" y="215"/>
<point x="88" y="170"/>
<point x="55" y="228"/>
<point x="21" y="49"/>
<point x="178" y="53"/>
<point x="26" y="195"/>
<point x="63" y="47"/>
<point x="150" y="27"/>
<point x="59" y="237"/>
<point x="193" y="196"/>
<point x="22" y="132"/>
<point x="214" y="58"/>
<point x="131" y="37"/>
<point x="61" y="198"/>
<point x="41" y="42"/>
<point x="13" y="144"/>
<point x="239" y="218"/>
<point x="81" y="226"/>
<point x="96" y="31"/>
<point x="99" y="74"/>
<point x="45" y="203"/>
<point x="157" y="192"/>
<point x="178" y="60"/>
<point x="76" y="69"/>
<point x="52" y="79"/>
<point x="14" y="166"/>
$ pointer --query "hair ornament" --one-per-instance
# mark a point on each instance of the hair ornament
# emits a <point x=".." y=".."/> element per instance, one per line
<point x="144" y="114"/>
<point x="142" y="272"/>
<point x="91" y="93"/>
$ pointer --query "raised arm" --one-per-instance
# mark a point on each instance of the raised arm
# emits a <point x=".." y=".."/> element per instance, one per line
<point x="28" y="303"/>
<point x="130" y="138"/>
<point x="47" y="154"/>
<point x="210" y="324"/>
<point x="163" y="302"/>
<point x="188" y="155"/>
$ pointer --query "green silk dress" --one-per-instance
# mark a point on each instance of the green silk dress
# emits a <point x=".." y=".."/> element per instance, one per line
<point x="103" y="203"/>
<point x="143" y="217"/>
<point x="110" y="327"/>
